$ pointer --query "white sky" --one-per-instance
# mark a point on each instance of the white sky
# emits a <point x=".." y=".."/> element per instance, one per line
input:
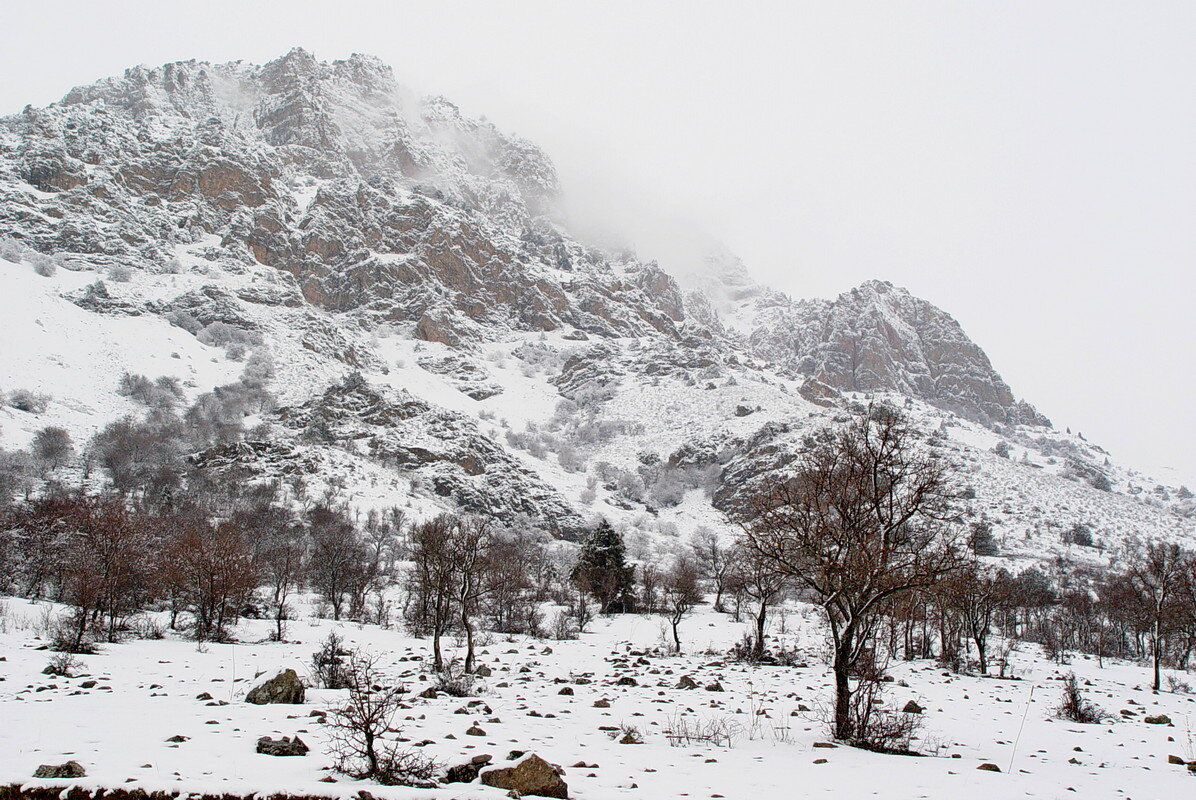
<point x="1027" y="166"/>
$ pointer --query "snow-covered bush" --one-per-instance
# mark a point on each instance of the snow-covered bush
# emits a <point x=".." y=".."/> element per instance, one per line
<point x="28" y="401"/>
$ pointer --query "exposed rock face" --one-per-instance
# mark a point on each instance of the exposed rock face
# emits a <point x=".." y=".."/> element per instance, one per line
<point x="285" y="687"/>
<point x="531" y="777"/>
<point x="373" y="200"/>
<point x="879" y="337"/>
<point x="444" y="447"/>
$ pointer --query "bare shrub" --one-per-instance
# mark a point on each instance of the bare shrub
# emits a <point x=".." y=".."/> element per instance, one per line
<point x="30" y="402"/>
<point x="455" y="681"/>
<point x="563" y="627"/>
<point x="181" y="319"/>
<point x="358" y="729"/>
<point x="43" y="264"/>
<point x="1178" y="685"/>
<point x="1074" y="706"/>
<point x="121" y="273"/>
<point x="64" y="665"/>
<point x="329" y="664"/>
<point x="684" y="730"/>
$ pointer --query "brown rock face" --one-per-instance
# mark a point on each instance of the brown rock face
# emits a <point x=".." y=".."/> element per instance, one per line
<point x="532" y="776"/>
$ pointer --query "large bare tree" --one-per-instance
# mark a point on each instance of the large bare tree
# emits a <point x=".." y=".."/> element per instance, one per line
<point x="866" y="515"/>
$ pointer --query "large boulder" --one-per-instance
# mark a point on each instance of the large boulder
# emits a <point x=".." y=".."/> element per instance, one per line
<point x="532" y="776"/>
<point x="286" y="746"/>
<point x="71" y="769"/>
<point x="285" y="687"/>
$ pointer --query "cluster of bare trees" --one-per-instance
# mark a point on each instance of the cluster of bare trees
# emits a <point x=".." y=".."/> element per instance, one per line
<point x="109" y="557"/>
<point x="469" y="573"/>
<point x="866" y="526"/>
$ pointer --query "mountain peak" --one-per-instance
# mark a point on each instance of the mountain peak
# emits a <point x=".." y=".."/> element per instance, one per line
<point x="880" y="337"/>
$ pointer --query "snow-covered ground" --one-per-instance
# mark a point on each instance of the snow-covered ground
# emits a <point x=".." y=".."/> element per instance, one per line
<point x="144" y="692"/>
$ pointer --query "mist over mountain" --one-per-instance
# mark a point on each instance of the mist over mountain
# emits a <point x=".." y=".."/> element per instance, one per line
<point x="312" y="379"/>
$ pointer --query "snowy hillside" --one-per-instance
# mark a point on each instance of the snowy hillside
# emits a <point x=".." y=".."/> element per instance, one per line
<point x="322" y="217"/>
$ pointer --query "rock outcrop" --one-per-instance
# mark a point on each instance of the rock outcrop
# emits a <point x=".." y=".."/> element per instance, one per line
<point x="879" y="337"/>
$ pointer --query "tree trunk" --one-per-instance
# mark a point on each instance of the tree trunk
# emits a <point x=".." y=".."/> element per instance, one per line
<point x="1157" y="657"/>
<point x="760" y="621"/>
<point x="843" y="726"/>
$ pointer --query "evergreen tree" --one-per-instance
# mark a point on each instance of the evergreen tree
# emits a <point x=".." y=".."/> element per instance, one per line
<point x="603" y="572"/>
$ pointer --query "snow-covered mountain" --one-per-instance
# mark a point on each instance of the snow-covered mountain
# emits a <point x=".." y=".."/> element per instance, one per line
<point x="439" y="337"/>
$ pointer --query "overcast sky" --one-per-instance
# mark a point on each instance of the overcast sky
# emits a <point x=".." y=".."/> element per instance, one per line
<point x="1027" y="166"/>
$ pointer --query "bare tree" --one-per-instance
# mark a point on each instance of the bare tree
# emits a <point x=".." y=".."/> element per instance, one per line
<point x="471" y="546"/>
<point x="682" y="591"/>
<point x="337" y="555"/>
<point x="1156" y="575"/>
<point x="715" y="561"/>
<point x="866" y="517"/>
<point x="760" y="580"/>
<point x="432" y="582"/>
<point x="52" y="446"/>
<point x="975" y="594"/>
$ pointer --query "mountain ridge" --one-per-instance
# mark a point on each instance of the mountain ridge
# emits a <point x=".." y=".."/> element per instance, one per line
<point x="319" y="215"/>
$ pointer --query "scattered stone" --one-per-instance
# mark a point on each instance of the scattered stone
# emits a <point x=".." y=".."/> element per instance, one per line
<point x="715" y="687"/>
<point x="1161" y="719"/>
<point x="475" y="730"/>
<point x="178" y="738"/>
<point x="687" y="682"/>
<point x="912" y="708"/>
<point x="568" y="690"/>
<point x="988" y="767"/>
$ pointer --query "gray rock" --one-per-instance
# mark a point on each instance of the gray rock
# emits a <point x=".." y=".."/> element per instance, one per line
<point x="71" y="769"/>
<point x="285" y="746"/>
<point x="532" y="776"/>
<point x="285" y="687"/>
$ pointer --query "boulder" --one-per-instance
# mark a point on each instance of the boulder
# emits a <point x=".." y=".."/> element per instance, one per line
<point x="1161" y="719"/>
<point x="989" y="767"/>
<point x="285" y="687"/>
<point x="531" y="777"/>
<point x="71" y="769"/>
<point x="285" y="746"/>
<point x="912" y="708"/>
<point x="687" y="682"/>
